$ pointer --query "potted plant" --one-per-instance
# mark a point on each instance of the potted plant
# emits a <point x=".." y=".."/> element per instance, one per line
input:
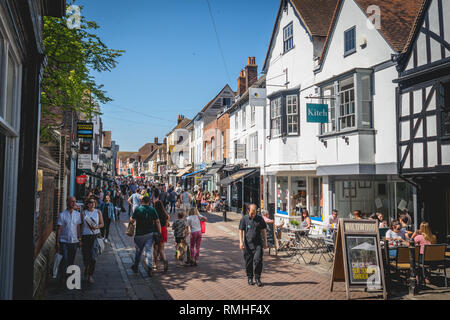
<point x="295" y="223"/>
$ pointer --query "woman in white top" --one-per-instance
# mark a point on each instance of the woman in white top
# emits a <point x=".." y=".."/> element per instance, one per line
<point x="92" y="223"/>
<point x="195" y="229"/>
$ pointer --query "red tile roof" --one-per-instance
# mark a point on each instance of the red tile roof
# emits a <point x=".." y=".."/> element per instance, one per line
<point x="316" y="14"/>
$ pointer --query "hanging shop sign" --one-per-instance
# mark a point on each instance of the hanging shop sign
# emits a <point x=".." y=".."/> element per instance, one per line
<point x="357" y="257"/>
<point x="258" y="97"/>
<point x="85" y="148"/>
<point x="316" y="113"/>
<point x="81" y="179"/>
<point x="85" y="130"/>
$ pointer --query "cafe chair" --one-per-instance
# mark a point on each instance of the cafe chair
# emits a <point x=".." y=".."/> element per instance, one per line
<point x="382" y="232"/>
<point x="402" y="263"/>
<point x="434" y="258"/>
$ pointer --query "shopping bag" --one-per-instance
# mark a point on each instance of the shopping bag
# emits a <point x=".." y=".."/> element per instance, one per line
<point x="130" y="230"/>
<point x="203" y="226"/>
<point x="101" y="244"/>
<point x="58" y="258"/>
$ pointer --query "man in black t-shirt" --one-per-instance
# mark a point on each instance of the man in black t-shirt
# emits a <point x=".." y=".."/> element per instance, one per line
<point x="148" y="228"/>
<point x="252" y="230"/>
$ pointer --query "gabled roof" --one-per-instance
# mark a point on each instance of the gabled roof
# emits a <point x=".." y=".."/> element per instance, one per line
<point x="315" y="15"/>
<point x="398" y="18"/>
<point x="183" y="124"/>
<point x="150" y="156"/>
<point x="211" y="103"/>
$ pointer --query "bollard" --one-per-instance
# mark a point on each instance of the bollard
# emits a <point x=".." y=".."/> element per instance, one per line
<point x="412" y="259"/>
<point x="225" y="214"/>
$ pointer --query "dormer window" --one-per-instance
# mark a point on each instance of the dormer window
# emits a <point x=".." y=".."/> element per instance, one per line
<point x="350" y="41"/>
<point x="288" y="37"/>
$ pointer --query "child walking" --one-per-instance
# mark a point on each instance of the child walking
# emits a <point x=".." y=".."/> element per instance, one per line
<point x="179" y="230"/>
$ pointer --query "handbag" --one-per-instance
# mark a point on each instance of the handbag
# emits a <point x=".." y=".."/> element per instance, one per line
<point x="101" y="244"/>
<point x="130" y="229"/>
<point x="203" y="226"/>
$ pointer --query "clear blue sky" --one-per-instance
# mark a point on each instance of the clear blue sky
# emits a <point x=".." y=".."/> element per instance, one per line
<point x="172" y="63"/>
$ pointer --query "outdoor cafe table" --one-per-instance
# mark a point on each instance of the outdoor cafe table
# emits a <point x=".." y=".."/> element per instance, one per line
<point x="310" y="243"/>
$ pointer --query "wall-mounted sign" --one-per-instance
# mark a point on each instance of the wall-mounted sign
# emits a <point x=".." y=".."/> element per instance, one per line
<point x="316" y="113"/>
<point x="357" y="258"/>
<point x="258" y="97"/>
<point x="85" y="148"/>
<point x="85" y="130"/>
<point x="84" y="162"/>
<point x="40" y="180"/>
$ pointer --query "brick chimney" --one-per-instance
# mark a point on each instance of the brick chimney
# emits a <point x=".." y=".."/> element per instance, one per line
<point x="180" y="118"/>
<point x="156" y="140"/>
<point x="251" y="70"/>
<point x="242" y="83"/>
<point x="165" y="141"/>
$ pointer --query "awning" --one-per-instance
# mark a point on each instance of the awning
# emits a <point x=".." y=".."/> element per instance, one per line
<point x="191" y="174"/>
<point x="229" y="167"/>
<point x="184" y="171"/>
<point x="213" y="170"/>
<point x="236" y="176"/>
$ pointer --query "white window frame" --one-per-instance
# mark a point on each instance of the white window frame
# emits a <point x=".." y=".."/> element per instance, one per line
<point x="347" y="107"/>
<point x="288" y="37"/>
<point x="254" y="149"/>
<point x="244" y="119"/>
<point x="291" y="116"/>
<point x="276" y="117"/>
<point x="236" y="123"/>
<point x="253" y="115"/>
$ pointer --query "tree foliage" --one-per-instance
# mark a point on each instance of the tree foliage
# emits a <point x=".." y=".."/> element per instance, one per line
<point x="72" y="56"/>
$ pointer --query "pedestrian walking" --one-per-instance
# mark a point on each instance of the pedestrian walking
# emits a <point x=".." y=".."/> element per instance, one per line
<point x="164" y="220"/>
<point x="179" y="232"/>
<point x="148" y="227"/>
<point x="186" y="200"/>
<point x="92" y="223"/>
<point x="134" y="200"/>
<point x="195" y="230"/>
<point x="68" y="236"/>
<point x="172" y="201"/>
<point x="251" y="227"/>
<point x="108" y="213"/>
<point x="198" y="199"/>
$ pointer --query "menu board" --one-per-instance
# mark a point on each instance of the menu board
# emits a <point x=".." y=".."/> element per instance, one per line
<point x="357" y="258"/>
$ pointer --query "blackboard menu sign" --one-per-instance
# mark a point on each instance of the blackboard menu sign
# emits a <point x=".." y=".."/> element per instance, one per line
<point x="357" y="259"/>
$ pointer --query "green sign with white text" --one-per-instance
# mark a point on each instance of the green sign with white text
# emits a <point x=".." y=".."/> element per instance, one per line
<point x="317" y="113"/>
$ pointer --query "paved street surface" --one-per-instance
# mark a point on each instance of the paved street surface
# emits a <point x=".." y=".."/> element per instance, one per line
<point x="219" y="275"/>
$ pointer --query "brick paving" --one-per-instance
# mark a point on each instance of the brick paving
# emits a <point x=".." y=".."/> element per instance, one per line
<point x="219" y="276"/>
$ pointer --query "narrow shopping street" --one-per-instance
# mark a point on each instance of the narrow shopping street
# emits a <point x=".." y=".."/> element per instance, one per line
<point x="219" y="275"/>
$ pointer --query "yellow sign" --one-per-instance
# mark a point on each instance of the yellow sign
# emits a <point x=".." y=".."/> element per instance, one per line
<point x="40" y="180"/>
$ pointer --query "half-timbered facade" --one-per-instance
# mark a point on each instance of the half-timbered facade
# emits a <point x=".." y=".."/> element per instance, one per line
<point x="423" y="114"/>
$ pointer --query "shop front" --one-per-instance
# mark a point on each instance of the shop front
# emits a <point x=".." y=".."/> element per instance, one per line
<point x="243" y="188"/>
<point x="388" y="195"/>
<point x="295" y="192"/>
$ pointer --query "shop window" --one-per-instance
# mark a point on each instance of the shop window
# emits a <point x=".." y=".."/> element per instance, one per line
<point x="282" y="194"/>
<point x="316" y="198"/>
<point x="298" y="192"/>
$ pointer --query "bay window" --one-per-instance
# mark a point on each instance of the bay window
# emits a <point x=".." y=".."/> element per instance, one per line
<point x="292" y="114"/>
<point x="284" y="114"/>
<point x="275" y="117"/>
<point x="349" y="103"/>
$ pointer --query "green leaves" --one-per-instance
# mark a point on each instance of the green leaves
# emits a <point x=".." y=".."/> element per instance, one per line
<point x="72" y="55"/>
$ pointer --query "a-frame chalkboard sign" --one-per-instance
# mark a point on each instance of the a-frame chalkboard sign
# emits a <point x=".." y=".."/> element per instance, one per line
<point x="357" y="256"/>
